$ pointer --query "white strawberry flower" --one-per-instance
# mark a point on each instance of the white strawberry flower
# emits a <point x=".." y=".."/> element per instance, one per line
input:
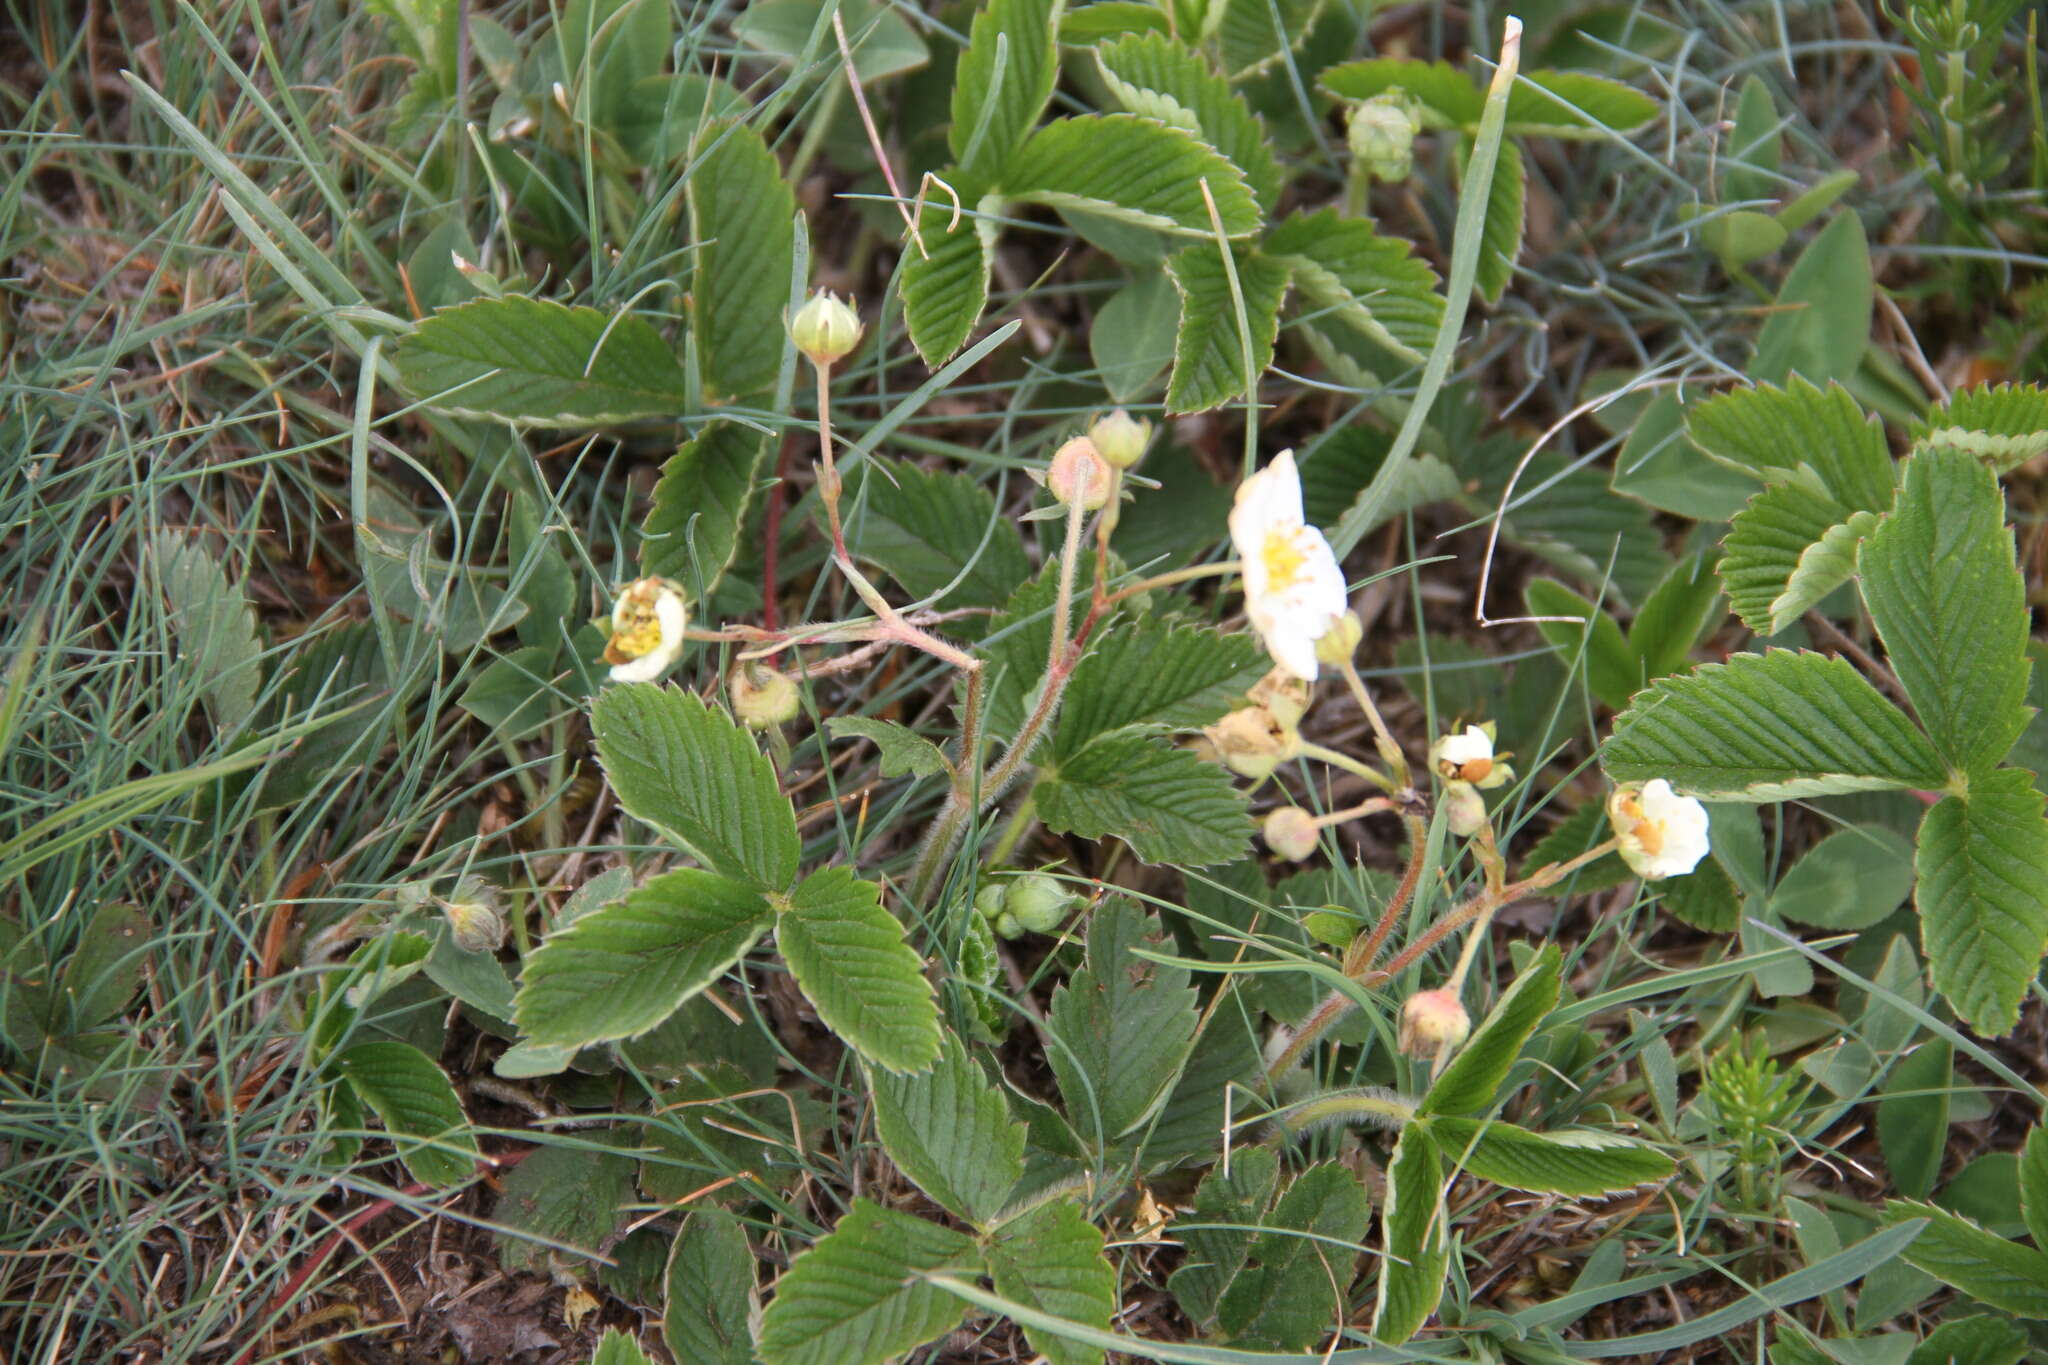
<point x="1659" y="833"/>
<point x="647" y="630"/>
<point x="1293" y="589"/>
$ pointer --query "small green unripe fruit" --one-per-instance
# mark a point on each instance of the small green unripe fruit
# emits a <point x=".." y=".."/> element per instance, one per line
<point x="763" y="698"/>
<point x="1007" y="926"/>
<point x="988" y="901"/>
<point x="1037" y="902"/>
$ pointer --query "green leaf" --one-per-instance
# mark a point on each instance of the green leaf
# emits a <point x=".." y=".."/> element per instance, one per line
<point x="1773" y="433"/>
<point x="1447" y="95"/>
<point x="1571" y="518"/>
<point x="1982" y="1340"/>
<point x="1658" y="466"/>
<point x="945" y="291"/>
<point x="687" y="769"/>
<point x="1132" y="169"/>
<point x="1122" y="1026"/>
<point x="1131" y="341"/>
<point x="950" y="1131"/>
<point x="700" y="505"/>
<point x="1003" y="82"/>
<point x="1749" y="166"/>
<point x="1982" y="1264"/>
<point x="1238" y="1196"/>
<point x="1415" y="1238"/>
<point x="1291" y="1291"/>
<point x="621" y="970"/>
<point x="1051" y="1259"/>
<point x="1849" y="880"/>
<point x="418" y="1106"/>
<point x="616" y="1348"/>
<point x="1152" y="75"/>
<point x="1786" y="550"/>
<point x="883" y="42"/>
<point x="536" y="362"/>
<point x="2034" y="1185"/>
<point x="1374" y="284"/>
<point x="549" y="586"/>
<point x="1473" y="1079"/>
<point x="1826" y="305"/>
<point x="572" y="1195"/>
<point x="1939" y="578"/>
<point x="1770" y="727"/>
<point x="214" y="625"/>
<point x="102" y="972"/>
<point x="1912" y="1118"/>
<point x="1742" y="236"/>
<point x="742" y="218"/>
<point x="1209" y="362"/>
<point x="1105" y="19"/>
<point x="857" y="1297"/>
<point x="1574" y="104"/>
<point x="2005" y="425"/>
<point x="1166" y="803"/>
<point x="1500" y="243"/>
<point x="931" y="531"/>
<point x="904" y="752"/>
<point x="1573" y="1161"/>
<point x="1982" y="862"/>
<point x="1706" y="898"/>
<point x="1613" y="671"/>
<point x="1158" y="675"/>
<point x="709" y="1290"/>
<point x="1682" y="609"/>
<point x="848" y="955"/>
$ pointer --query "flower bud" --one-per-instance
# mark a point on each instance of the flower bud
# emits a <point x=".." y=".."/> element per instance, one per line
<point x="988" y="901"/>
<point x="1291" y="833"/>
<point x="1464" y="809"/>
<point x="761" y="697"/>
<point x="1006" y="926"/>
<point x="1249" y="742"/>
<point x="647" y="630"/>
<point x="1337" y="644"/>
<point x="475" y="921"/>
<point x="1037" y="902"/>
<point x="1078" y="473"/>
<point x="825" y="329"/>
<point x="1381" y="132"/>
<point x="1432" y="1021"/>
<point x="1120" y="438"/>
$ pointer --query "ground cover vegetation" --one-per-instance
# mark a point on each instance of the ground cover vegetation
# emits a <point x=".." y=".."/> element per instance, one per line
<point x="1217" y="681"/>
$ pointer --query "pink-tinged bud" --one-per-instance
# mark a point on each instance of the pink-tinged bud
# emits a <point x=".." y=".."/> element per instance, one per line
<point x="1079" y="474"/>
<point x="1432" y="1021"/>
<point x="1464" y="809"/>
<point x="1250" y="742"/>
<point x="1291" y="833"/>
<point x="1120" y="438"/>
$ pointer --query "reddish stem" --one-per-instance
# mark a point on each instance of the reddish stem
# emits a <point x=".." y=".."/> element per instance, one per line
<point x="770" y="550"/>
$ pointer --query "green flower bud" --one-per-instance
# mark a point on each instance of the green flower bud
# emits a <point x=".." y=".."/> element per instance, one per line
<point x="1007" y="926"/>
<point x="1120" y="438"/>
<point x="988" y="901"/>
<point x="1382" y="136"/>
<point x="1037" y="902"/>
<point x="825" y="329"/>
<point x="1340" y="641"/>
<point x="761" y="697"/>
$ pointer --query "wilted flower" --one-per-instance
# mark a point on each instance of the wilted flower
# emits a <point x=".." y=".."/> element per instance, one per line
<point x="1291" y="833"/>
<point x="1432" y="1021"/>
<point x="1251" y="742"/>
<point x="1469" y="757"/>
<point x="1120" y="438"/>
<point x="1284" y="697"/>
<point x="761" y="697"/>
<point x="1293" y="589"/>
<point x="475" y="919"/>
<point x="1078" y="473"/>
<point x="647" y="630"/>
<point x="1660" y="833"/>
<point x="825" y="329"/>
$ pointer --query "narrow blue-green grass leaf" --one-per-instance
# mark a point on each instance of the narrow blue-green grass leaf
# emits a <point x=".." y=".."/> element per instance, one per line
<point x="1770" y="727"/>
<point x="859" y="1296"/>
<point x="1052" y="1259"/>
<point x="1574" y="1161"/>
<point x="741" y="213"/>
<point x="2004" y="424"/>
<point x="418" y="1106"/>
<point x="1844" y="1267"/>
<point x="700" y="505"/>
<point x="1472" y="1080"/>
<point x="1210" y="366"/>
<point x="848" y="956"/>
<point x="533" y="361"/>
<point x="1293" y="1290"/>
<point x="1993" y="1270"/>
<point x="690" y="770"/>
<point x="1167" y="804"/>
<point x="1946" y="595"/>
<point x="1771" y="433"/>
<point x="708" y="1290"/>
<point x="1152" y="75"/>
<point x="1982" y="863"/>
<point x="1004" y="80"/>
<point x="1158" y="675"/>
<point x="1132" y="169"/>
<point x="949" y="1129"/>
<point x="1374" y="284"/>
<point x="1415" y="1240"/>
<point x="620" y="970"/>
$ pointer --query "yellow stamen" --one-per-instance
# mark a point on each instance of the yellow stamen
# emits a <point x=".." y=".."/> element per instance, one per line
<point x="1283" y="559"/>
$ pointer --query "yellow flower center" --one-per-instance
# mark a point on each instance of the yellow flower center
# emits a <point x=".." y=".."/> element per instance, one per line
<point x="1642" y="829"/>
<point x="1282" y="557"/>
<point x="640" y="635"/>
